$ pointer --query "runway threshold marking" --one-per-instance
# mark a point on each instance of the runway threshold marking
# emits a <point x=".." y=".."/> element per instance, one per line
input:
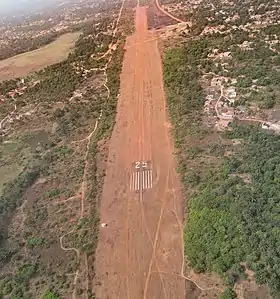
<point x="142" y="177"/>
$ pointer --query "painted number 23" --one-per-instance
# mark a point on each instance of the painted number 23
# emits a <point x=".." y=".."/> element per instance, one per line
<point x="138" y="164"/>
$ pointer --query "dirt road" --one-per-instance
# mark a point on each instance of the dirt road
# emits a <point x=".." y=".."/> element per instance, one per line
<point x="167" y="13"/>
<point x="140" y="252"/>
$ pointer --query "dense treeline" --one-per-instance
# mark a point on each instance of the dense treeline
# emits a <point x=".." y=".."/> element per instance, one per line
<point x="185" y="96"/>
<point x="232" y="221"/>
<point x="233" y="218"/>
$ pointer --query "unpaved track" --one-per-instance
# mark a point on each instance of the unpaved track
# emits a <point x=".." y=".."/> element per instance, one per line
<point x="139" y="254"/>
<point x="168" y="14"/>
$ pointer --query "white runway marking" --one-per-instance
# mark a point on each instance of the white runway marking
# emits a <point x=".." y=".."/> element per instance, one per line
<point x="144" y="180"/>
<point x="141" y="180"/>
<point x="138" y="180"/>
<point x="149" y="179"/>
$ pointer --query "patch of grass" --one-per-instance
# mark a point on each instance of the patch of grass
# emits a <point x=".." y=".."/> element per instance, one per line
<point x="62" y="150"/>
<point x="17" y="286"/>
<point x="228" y="294"/>
<point x="13" y="191"/>
<point x="50" y="295"/>
<point x="33" y="242"/>
<point x="52" y="193"/>
<point x="23" y="64"/>
<point x="192" y="152"/>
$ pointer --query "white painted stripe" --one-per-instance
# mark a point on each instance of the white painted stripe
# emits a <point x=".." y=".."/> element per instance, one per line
<point x="142" y="179"/>
<point x="138" y="181"/>
<point x="135" y="181"/>
<point x="145" y="179"/>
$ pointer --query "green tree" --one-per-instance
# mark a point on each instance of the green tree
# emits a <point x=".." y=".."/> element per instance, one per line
<point x="228" y="294"/>
<point x="50" y="295"/>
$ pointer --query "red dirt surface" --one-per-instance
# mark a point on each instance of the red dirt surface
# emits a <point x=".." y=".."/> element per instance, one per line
<point x="140" y="252"/>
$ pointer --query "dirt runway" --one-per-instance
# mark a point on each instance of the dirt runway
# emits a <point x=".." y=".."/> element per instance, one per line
<point x="140" y="252"/>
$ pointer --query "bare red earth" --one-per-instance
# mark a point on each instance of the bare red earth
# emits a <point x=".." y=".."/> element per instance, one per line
<point x="140" y="252"/>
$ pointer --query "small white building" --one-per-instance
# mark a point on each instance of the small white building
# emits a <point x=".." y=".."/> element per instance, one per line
<point x="209" y="97"/>
<point x="229" y="114"/>
<point x="231" y="94"/>
<point x="265" y="126"/>
<point x="216" y="81"/>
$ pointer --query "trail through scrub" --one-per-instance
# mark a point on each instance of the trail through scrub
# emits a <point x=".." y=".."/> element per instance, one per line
<point x="84" y="184"/>
<point x="168" y="14"/>
<point x="2" y="123"/>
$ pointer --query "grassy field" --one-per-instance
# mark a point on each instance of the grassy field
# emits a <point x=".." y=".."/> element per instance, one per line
<point x="23" y="64"/>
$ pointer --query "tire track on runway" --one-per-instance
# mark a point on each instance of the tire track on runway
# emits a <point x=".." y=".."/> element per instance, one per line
<point x="156" y="236"/>
<point x="140" y="96"/>
<point x="148" y="89"/>
<point x="145" y="155"/>
<point x="131" y="121"/>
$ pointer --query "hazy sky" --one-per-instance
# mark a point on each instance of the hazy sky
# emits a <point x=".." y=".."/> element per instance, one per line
<point x="16" y="6"/>
<point x="13" y="4"/>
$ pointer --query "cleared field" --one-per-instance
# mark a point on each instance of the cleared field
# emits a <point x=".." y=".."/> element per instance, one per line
<point x="23" y="64"/>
